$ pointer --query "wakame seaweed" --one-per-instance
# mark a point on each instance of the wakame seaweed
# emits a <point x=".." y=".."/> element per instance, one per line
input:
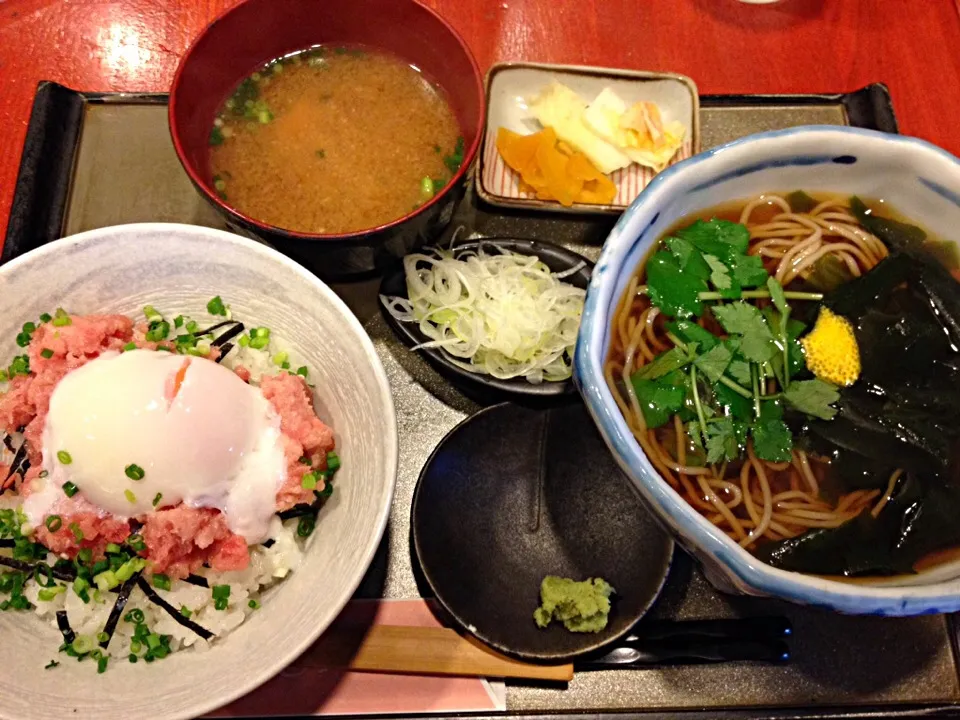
<point x="903" y="412"/>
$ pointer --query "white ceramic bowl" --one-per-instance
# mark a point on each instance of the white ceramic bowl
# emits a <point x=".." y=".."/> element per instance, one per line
<point x="179" y="268"/>
<point x="917" y="178"/>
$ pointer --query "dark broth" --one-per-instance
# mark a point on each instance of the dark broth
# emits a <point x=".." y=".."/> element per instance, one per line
<point x="333" y="140"/>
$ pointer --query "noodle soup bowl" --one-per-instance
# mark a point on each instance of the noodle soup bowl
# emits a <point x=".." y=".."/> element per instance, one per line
<point x="257" y="31"/>
<point x="920" y="180"/>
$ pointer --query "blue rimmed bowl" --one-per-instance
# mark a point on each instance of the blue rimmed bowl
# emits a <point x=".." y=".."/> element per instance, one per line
<point x="917" y="178"/>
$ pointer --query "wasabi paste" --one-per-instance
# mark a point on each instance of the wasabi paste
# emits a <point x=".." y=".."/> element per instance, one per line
<point x="580" y="606"/>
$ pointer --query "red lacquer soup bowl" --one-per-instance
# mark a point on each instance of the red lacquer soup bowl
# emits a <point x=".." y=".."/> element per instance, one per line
<point x="257" y="31"/>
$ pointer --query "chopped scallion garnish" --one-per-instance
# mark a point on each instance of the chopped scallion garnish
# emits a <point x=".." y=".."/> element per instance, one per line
<point x="64" y="457"/>
<point x="333" y="462"/>
<point x="305" y="526"/>
<point x="161" y="581"/>
<point x="61" y="318"/>
<point x="53" y="523"/>
<point x="46" y="353"/>
<point x="216" y="306"/>
<point x="69" y="489"/>
<point x="134" y="472"/>
<point x="128" y="494"/>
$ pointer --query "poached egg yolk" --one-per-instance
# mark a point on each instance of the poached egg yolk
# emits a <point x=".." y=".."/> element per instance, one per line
<point x="129" y="428"/>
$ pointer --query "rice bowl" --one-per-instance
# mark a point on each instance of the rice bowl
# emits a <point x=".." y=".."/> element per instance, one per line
<point x="94" y="273"/>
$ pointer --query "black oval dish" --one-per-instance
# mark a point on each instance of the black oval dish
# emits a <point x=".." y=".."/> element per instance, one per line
<point x="554" y="257"/>
<point x="512" y="495"/>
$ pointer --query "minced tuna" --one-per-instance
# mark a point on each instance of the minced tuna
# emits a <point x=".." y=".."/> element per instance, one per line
<point x="181" y="539"/>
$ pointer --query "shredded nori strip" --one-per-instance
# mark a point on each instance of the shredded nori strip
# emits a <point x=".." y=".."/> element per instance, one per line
<point x="269" y="542"/>
<point x="224" y="351"/>
<point x="63" y="622"/>
<point x="173" y="612"/>
<point x="301" y="510"/>
<point x="228" y="335"/>
<point x="118" y="607"/>
<point x="8" y="543"/>
<point x="196" y="580"/>
<point x="29" y="568"/>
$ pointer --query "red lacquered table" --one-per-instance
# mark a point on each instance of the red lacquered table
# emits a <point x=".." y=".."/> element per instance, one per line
<point x="724" y="45"/>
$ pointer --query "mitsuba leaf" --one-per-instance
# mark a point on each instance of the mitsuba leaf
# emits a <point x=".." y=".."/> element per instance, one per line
<point x="756" y="341"/>
<point x="720" y="278"/>
<point x="690" y="332"/>
<point x="732" y="403"/>
<point x="772" y="440"/>
<point x="813" y="397"/>
<point x="672" y="290"/>
<point x="714" y="363"/>
<point x="776" y="294"/>
<point x="725" y="440"/>
<point x="690" y="260"/>
<point x="721" y="238"/>
<point x="748" y="270"/>
<point x="666" y="362"/>
<point x="660" y="399"/>
<point x="739" y="370"/>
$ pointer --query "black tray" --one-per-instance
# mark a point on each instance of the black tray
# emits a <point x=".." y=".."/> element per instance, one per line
<point x="94" y="159"/>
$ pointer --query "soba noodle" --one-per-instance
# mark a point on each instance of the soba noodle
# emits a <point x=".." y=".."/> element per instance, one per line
<point x="751" y="499"/>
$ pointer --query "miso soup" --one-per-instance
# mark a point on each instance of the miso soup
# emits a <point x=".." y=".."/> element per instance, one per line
<point x="333" y="140"/>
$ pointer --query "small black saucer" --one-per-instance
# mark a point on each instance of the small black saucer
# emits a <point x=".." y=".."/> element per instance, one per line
<point x="512" y="495"/>
<point x="557" y="258"/>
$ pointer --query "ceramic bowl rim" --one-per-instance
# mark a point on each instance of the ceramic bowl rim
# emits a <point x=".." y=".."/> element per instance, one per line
<point x="288" y="653"/>
<point x="937" y="597"/>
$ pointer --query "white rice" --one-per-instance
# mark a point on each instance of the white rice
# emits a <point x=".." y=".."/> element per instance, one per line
<point x="267" y="566"/>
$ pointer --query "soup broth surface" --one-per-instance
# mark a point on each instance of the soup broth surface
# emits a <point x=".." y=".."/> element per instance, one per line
<point x="333" y="140"/>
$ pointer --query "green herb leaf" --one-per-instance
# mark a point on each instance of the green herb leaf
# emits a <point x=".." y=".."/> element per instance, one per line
<point x="748" y="270"/>
<point x="660" y="399"/>
<point x="666" y="362"/>
<point x="733" y="403"/>
<point x="720" y="278"/>
<point x="772" y="441"/>
<point x="776" y="294"/>
<point x="672" y="290"/>
<point x="813" y="397"/>
<point x="693" y="430"/>
<point x="690" y="332"/>
<point x="690" y="259"/>
<point x="725" y="440"/>
<point x="714" y="363"/>
<point x="721" y="238"/>
<point x="739" y="318"/>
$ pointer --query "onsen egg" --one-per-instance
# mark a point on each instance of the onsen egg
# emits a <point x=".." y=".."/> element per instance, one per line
<point x="141" y="430"/>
